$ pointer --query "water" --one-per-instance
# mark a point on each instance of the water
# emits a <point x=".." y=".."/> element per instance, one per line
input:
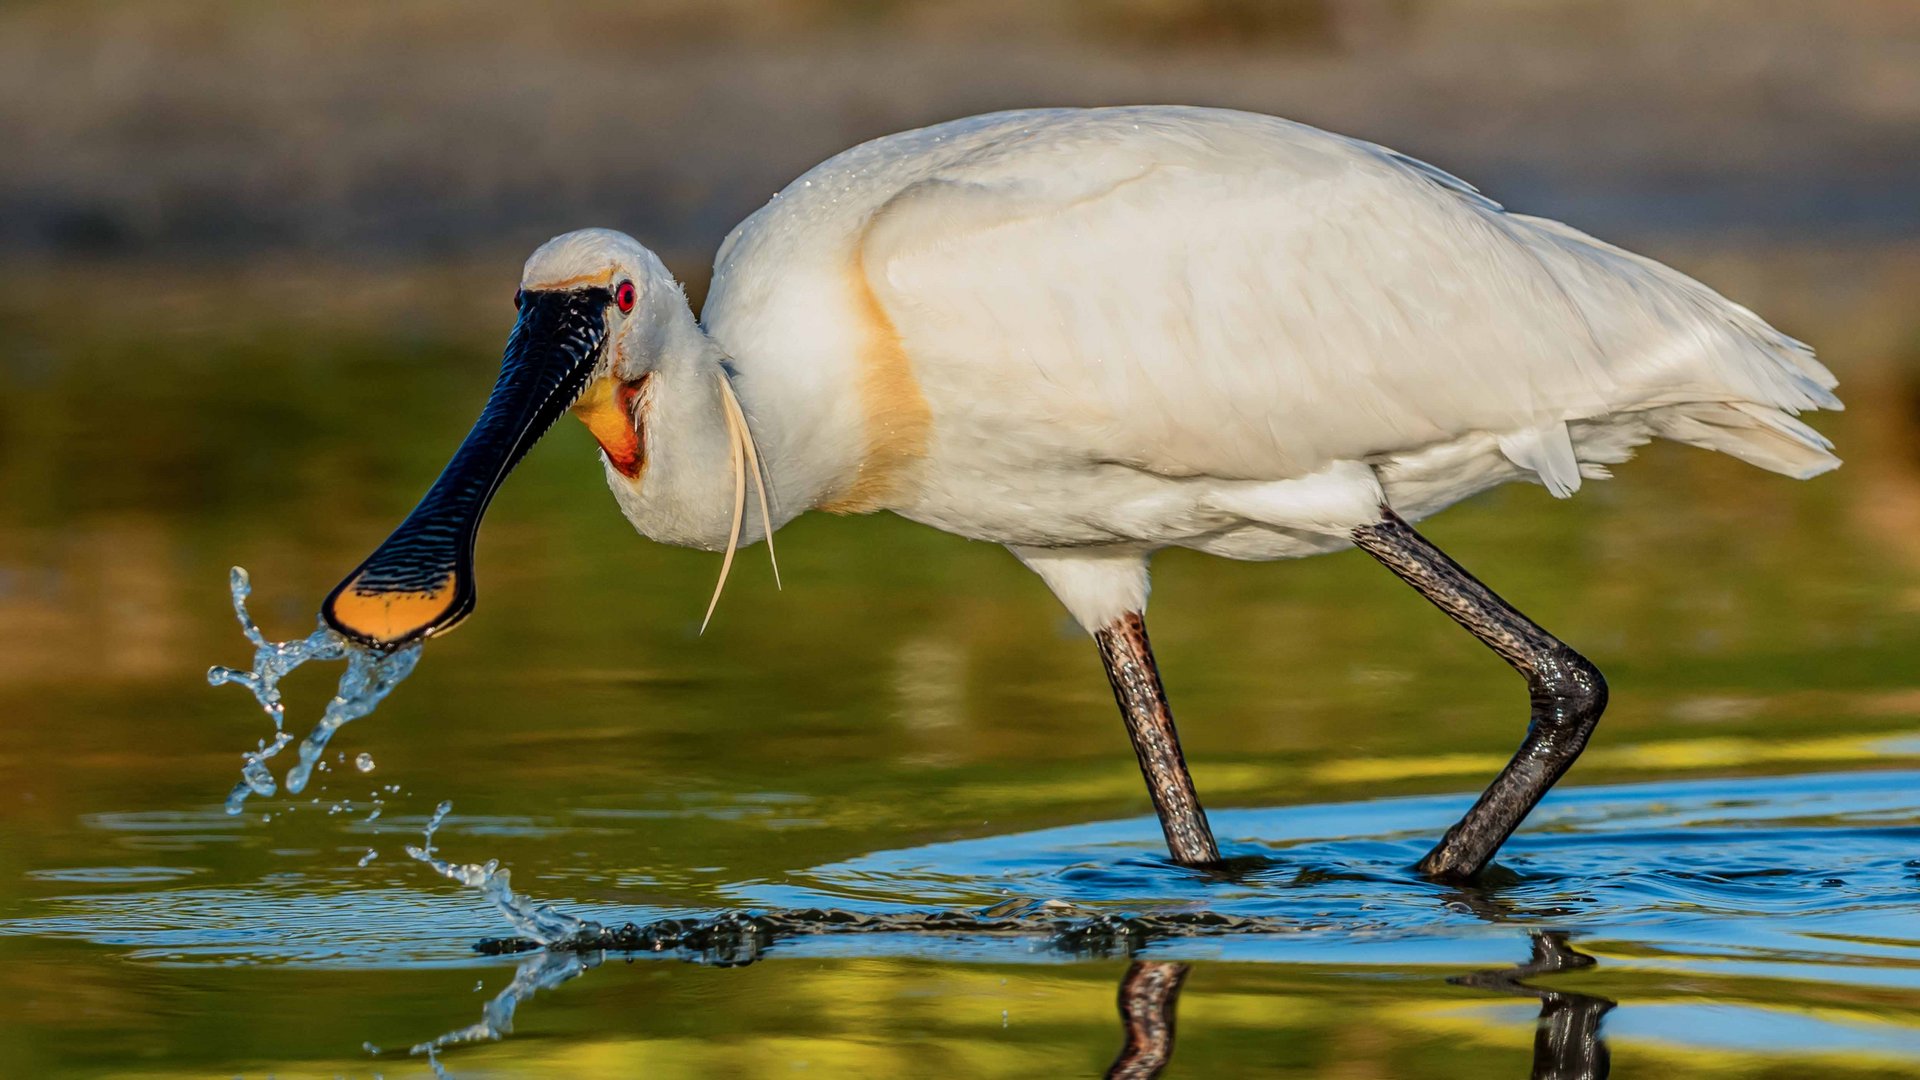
<point x="1775" y="913"/>
<point x="1817" y="873"/>
<point x="538" y="923"/>
<point x="370" y="676"/>
<point x="783" y="807"/>
<point x="541" y="971"/>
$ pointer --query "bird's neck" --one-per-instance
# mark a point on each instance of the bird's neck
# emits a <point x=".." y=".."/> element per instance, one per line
<point x="684" y="495"/>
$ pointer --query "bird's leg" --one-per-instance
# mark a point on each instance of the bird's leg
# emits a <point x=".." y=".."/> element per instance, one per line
<point x="1143" y="705"/>
<point x="1568" y="692"/>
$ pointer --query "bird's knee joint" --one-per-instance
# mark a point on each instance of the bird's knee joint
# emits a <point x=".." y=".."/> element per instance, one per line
<point x="1571" y="686"/>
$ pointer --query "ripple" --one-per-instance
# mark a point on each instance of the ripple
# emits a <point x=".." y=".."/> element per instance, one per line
<point x="1793" y="876"/>
<point x="114" y="875"/>
<point x="1801" y="867"/>
<point x="285" y="922"/>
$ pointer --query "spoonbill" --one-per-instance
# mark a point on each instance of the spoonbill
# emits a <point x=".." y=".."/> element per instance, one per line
<point x="1090" y="334"/>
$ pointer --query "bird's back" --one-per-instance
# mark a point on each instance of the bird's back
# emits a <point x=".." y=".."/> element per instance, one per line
<point x="1195" y="292"/>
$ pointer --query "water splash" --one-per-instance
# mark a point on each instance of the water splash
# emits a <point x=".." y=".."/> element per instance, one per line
<point x="370" y="676"/>
<point x="533" y="920"/>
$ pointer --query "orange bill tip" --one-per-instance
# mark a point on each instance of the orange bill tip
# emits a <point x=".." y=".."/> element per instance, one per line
<point x="389" y="618"/>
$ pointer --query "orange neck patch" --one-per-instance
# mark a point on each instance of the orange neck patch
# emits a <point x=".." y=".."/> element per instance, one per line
<point x="607" y="410"/>
<point x="898" y="419"/>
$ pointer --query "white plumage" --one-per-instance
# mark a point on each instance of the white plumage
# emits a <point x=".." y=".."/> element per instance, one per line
<point x="1144" y="326"/>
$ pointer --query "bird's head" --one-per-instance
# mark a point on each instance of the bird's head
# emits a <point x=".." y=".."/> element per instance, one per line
<point x="594" y="308"/>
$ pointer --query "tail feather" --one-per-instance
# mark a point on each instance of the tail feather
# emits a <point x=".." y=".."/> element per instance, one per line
<point x="1685" y="337"/>
<point x="1755" y="434"/>
<point x="1706" y="371"/>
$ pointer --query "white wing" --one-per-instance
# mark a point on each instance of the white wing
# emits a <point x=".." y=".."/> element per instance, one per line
<point x="1196" y="292"/>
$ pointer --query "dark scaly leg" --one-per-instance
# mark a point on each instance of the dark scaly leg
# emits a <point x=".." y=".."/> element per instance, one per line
<point x="1148" y="994"/>
<point x="1143" y="705"/>
<point x="1568" y="692"/>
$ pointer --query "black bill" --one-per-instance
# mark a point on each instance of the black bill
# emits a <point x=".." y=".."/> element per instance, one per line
<point x="420" y="581"/>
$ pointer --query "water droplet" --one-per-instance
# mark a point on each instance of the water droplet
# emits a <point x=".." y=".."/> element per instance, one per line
<point x="368" y="857"/>
<point x="364" y="762"/>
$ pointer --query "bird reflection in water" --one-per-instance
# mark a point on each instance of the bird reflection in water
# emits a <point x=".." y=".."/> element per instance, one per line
<point x="1567" y="1043"/>
<point x="1149" y="991"/>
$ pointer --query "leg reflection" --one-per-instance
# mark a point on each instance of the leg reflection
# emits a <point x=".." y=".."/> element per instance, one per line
<point x="1567" y="1043"/>
<point x="1148" y="994"/>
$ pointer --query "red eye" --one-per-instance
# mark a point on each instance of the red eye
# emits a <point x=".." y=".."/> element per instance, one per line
<point x="624" y="295"/>
<point x="519" y="297"/>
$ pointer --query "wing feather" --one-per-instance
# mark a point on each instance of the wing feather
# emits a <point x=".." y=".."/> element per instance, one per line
<point x="1238" y="296"/>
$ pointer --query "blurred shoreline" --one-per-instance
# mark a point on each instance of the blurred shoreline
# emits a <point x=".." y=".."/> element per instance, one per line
<point x="425" y="130"/>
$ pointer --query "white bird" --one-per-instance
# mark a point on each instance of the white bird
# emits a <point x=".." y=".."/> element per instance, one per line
<point x="1089" y="334"/>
